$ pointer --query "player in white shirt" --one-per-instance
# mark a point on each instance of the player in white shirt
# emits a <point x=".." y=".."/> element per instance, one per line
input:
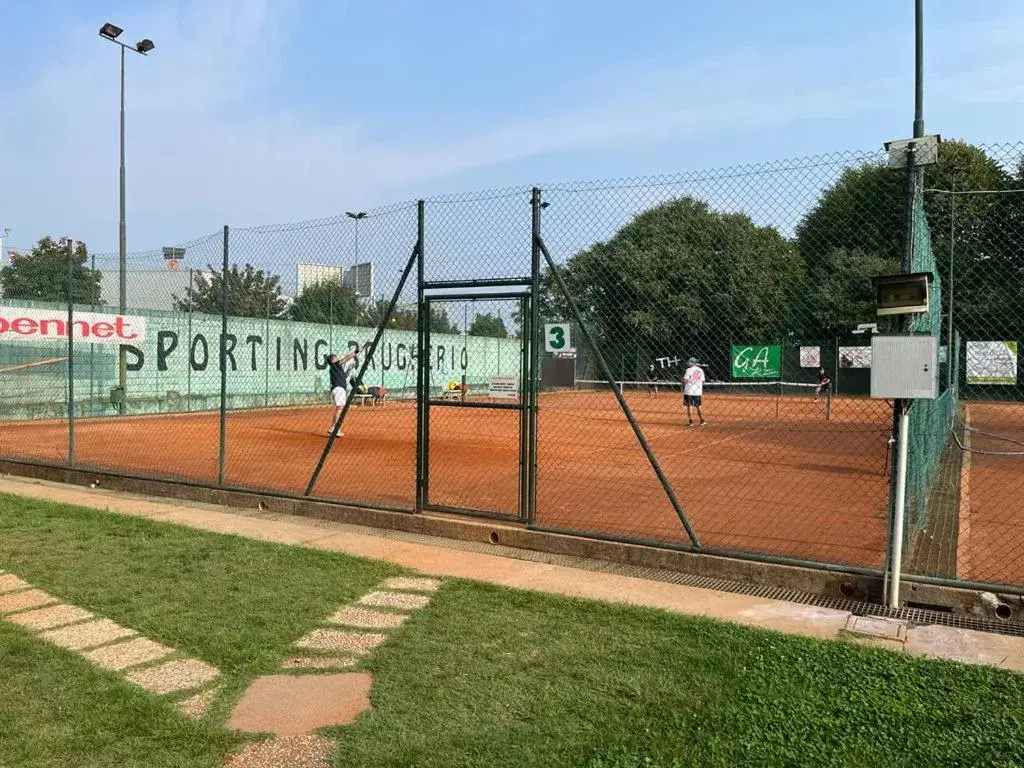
<point x="693" y="390"/>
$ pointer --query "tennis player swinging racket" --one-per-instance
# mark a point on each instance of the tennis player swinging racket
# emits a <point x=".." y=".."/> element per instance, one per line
<point x="341" y="369"/>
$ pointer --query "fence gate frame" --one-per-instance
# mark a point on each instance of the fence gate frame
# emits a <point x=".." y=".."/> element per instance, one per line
<point x="508" y="289"/>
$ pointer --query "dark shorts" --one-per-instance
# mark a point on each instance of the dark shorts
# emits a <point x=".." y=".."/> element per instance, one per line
<point x="693" y="400"/>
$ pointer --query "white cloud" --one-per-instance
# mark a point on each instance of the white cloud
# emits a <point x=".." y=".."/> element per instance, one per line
<point x="205" y="147"/>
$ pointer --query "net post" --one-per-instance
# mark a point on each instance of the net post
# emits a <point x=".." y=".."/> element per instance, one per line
<point x="222" y="452"/>
<point x="606" y="372"/>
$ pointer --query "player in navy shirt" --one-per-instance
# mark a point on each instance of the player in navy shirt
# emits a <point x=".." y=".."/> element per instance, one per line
<point x="341" y="370"/>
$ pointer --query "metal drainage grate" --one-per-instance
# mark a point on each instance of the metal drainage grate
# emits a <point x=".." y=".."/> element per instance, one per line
<point x="912" y="615"/>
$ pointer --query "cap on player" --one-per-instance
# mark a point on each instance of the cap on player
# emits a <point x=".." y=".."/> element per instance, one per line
<point x="692" y="360"/>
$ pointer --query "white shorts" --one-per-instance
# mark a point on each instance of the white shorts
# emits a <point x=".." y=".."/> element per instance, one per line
<point x="338" y="395"/>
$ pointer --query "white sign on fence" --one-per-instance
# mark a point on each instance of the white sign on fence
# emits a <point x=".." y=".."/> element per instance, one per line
<point x="991" y="362"/>
<point x="503" y="387"/>
<point x="556" y="337"/>
<point x="855" y="357"/>
<point x="810" y="357"/>
<point x="31" y="326"/>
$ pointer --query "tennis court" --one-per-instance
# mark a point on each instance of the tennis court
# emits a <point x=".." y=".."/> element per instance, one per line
<point x="772" y="473"/>
<point x="992" y="485"/>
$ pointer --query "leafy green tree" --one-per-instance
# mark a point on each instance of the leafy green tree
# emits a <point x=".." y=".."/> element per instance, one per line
<point x="682" y="278"/>
<point x="326" y="302"/>
<point x="251" y="293"/>
<point x="406" y="318"/>
<point x="488" y="325"/>
<point x="42" y="274"/>
<point x="856" y="231"/>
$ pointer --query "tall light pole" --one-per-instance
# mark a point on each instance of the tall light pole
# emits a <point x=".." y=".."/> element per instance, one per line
<point x="111" y="32"/>
<point x="357" y="216"/>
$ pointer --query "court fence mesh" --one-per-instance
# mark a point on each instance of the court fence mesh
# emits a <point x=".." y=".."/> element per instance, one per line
<point x="217" y="370"/>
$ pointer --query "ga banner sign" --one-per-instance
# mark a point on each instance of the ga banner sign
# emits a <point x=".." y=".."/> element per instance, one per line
<point x="757" y="362"/>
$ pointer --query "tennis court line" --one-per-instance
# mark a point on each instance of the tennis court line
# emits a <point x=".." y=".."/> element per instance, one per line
<point x="963" y="555"/>
<point x="713" y="442"/>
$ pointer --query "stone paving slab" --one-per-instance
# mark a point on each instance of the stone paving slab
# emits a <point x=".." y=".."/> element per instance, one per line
<point x="78" y="637"/>
<point x="139" y="650"/>
<point x="26" y="598"/>
<point x="50" y="618"/>
<point x="394" y="600"/>
<point x="196" y="706"/>
<point x="289" y="705"/>
<point x="879" y="627"/>
<point x="413" y="584"/>
<point x="9" y="582"/>
<point x="367" y="618"/>
<point x="341" y="640"/>
<point x="173" y="676"/>
<point x="306" y="751"/>
<point x="317" y="662"/>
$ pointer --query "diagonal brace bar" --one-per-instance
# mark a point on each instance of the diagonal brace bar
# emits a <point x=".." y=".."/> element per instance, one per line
<point x="606" y="373"/>
<point x="368" y="354"/>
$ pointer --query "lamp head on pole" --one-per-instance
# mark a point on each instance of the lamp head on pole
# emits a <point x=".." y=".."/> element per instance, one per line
<point x="110" y="31"/>
<point x="145" y="46"/>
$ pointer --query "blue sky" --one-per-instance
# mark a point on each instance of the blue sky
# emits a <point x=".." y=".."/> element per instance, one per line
<point x="267" y="111"/>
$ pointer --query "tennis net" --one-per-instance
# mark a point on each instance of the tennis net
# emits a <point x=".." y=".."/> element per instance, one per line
<point x="761" y="398"/>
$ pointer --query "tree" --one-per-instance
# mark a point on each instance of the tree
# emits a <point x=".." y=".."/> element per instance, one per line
<point x="251" y="293"/>
<point x="488" y="325"/>
<point x="42" y="274"/>
<point x="406" y="318"/>
<point x="856" y="231"/>
<point x="682" y="279"/>
<point x="440" y="322"/>
<point x="326" y="302"/>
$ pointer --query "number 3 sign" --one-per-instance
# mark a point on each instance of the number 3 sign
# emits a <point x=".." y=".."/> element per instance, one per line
<point x="556" y="337"/>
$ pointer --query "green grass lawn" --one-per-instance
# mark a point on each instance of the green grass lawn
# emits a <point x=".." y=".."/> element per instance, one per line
<point x="483" y="677"/>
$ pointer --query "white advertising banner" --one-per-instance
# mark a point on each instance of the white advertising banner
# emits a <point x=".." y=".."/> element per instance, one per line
<point x="31" y="326"/>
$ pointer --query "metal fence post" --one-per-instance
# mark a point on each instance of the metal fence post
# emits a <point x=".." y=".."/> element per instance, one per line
<point x="71" y="352"/>
<point x="188" y="350"/>
<point x="533" y="348"/>
<point x="421" y="395"/>
<point x="223" y="361"/>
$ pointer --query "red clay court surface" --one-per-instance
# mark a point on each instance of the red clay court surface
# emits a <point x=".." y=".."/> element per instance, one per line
<point x="767" y="475"/>
<point x="991" y="546"/>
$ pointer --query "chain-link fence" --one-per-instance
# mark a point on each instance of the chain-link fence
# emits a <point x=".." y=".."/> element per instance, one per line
<point x="683" y="361"/>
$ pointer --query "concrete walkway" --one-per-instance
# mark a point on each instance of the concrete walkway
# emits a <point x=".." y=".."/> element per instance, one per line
<point x="933" y="641"/>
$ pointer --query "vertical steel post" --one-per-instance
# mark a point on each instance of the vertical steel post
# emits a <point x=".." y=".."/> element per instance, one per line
<point x="122" y="259"/>
<point x="223" y="362"/>
<point x="524" y="422"/>
<point x="918" y="68"/>
<point x="188" y="359"/>
<point x="533" y="347"/>
<point x="92" y="347"/>
<point x="421" y="394"/>
<point x="266" y="358"/>
<point x="71" y="352"/>
<point x="949" y="286"/>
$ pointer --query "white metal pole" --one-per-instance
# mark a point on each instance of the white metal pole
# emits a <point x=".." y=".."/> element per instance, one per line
<point x="896" y="555"/>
